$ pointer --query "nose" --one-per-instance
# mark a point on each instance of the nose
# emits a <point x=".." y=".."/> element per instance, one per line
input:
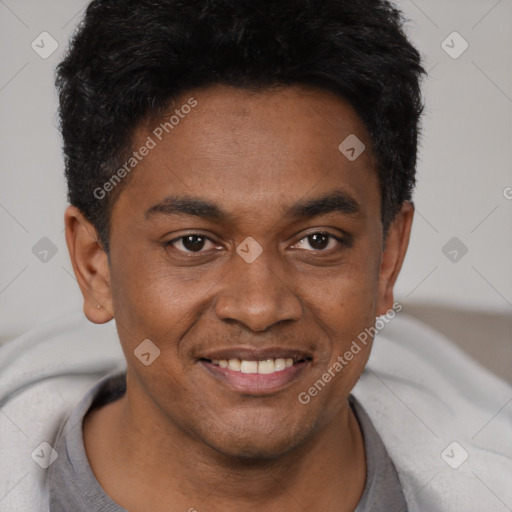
<point x="253" y="294"/>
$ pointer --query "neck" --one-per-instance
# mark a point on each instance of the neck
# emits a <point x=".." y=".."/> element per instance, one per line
<point x="136" y="453"/>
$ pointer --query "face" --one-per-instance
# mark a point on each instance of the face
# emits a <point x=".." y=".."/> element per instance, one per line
<point x="247" y="239"/>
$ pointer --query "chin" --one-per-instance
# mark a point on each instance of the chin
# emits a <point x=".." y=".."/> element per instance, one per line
<point x="247" y="442"/>
<point x="254" y="449"/>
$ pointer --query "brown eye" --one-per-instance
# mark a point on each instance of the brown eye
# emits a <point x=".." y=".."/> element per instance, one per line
<point x="318" y="242"/>
<point x="194" y="242"/>
<point x="190" y="243"/>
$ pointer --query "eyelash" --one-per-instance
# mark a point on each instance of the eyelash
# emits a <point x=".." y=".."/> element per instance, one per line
<point x="341" y="241"/>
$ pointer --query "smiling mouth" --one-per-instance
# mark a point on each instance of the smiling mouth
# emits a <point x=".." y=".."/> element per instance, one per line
<point x="263" y="367"/>
<point x="257" y="372"/>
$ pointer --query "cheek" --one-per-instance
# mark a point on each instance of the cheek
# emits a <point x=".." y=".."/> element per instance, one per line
<point x="346" y="305"/>
<point x="347" y="315"/>
<point x="151" y="294"/>
<point x="346" y="299"/>
<point x="154" y="301"/>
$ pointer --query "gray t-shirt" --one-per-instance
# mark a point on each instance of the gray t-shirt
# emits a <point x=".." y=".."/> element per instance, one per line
<point x="74" y="488"/>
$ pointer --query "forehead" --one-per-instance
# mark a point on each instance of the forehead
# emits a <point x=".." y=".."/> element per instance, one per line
<point x="254" y="151"/>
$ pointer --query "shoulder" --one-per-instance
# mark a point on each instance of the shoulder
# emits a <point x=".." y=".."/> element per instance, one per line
<point x="445" y="421"/>
<point x="43" y="375"/>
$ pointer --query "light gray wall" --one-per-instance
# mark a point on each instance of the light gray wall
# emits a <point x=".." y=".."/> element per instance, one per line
<point x="464" y="166"/>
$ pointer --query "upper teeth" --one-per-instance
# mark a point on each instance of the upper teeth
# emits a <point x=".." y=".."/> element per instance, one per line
<point x="264" y="367"/>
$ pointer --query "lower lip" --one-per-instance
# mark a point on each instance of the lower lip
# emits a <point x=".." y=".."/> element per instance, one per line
<point x="256" y="383"/>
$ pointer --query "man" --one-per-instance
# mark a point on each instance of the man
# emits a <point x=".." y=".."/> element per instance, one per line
<point x="240" y="178"/>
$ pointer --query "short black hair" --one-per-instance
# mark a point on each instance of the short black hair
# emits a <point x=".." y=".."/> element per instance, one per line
<point x="129" y="59"/>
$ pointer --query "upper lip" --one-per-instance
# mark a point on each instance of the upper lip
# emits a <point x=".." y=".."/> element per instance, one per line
<point x="248" y="354"/>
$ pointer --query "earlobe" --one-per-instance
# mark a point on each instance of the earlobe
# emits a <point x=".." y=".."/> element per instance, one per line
<point x="90" y="265"/>
<point x="397" y="241"/>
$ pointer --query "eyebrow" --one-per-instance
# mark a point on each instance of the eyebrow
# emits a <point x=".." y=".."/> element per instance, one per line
<point x="338" y="201"/>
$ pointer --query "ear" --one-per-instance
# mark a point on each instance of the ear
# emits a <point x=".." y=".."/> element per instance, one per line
<point x="395" y="247"/>
<point x="90" y="265"/>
